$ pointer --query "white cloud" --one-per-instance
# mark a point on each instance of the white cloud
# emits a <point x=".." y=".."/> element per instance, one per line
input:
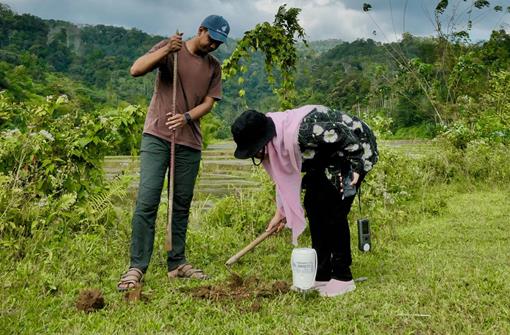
<point x="321" y="19"/>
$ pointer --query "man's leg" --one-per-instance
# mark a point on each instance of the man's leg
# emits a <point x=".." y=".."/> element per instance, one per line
<point x="329" y="228"/>
<point x="154" y="158"/>
<point x="187" y="163"/>
<point x="339" y="240"/>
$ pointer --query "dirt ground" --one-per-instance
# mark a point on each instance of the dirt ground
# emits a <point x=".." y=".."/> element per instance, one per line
<point x="238" y="288"/>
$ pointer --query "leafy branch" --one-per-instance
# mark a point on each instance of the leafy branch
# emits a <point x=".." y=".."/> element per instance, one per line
<point x="278" y="44"/>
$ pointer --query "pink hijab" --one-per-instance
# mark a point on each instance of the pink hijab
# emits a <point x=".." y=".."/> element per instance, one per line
<point x="284" y="166"/>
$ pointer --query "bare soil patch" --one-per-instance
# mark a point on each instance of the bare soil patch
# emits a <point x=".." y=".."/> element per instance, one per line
<point x="238" y="288"/>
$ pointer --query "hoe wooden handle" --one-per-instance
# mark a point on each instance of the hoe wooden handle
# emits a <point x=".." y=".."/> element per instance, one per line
<point x="251" y="246"/>
<point x="171" y="168"/>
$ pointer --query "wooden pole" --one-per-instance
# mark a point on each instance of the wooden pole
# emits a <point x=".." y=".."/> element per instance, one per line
<point x="171" y="169"/>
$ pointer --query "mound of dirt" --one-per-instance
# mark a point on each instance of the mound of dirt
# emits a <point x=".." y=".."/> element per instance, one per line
<point x="90" y="300"/>
<point x="238" y="288"/>
<point x="135" y="295"/>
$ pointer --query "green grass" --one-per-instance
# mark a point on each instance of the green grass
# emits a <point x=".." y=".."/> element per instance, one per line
<point x="445" y="271"/>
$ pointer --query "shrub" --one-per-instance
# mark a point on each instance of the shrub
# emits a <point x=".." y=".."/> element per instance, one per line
<point x="51" y="161"/>
<point x="487" y="119"/>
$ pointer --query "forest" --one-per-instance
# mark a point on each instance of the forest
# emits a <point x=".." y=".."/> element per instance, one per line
<point x="90" y="65"/>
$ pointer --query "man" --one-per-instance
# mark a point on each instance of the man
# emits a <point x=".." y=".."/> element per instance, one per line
<point x="335" y="151"/>
<point x="198" y="87"/>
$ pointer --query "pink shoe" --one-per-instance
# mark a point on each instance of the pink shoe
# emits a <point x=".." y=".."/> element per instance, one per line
<point x="336" y="287"/>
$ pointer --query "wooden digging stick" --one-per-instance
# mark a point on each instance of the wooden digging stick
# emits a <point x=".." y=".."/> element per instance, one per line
<point x="250" y="246"/>
<point x="170" y="209"/>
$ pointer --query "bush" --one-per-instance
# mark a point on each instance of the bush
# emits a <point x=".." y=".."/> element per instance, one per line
<point x="51" y="161"/>
<point x="487" y="119"/>
<point x="245" y="208"/>
<point x="422" y="131"/>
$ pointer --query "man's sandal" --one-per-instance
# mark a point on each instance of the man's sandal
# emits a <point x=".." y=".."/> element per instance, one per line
<point x="130" y="279"/>
<point x="187" y="271"/>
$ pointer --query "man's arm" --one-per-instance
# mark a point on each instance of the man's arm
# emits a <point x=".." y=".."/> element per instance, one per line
<point x="179" y="120"/>
<point x="148" y="62"/>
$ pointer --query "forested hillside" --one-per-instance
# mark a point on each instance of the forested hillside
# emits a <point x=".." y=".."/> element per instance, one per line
<point x="412" y="86"/>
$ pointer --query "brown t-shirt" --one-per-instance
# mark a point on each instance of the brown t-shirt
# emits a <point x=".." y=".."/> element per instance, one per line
<point x="198" y="77"/>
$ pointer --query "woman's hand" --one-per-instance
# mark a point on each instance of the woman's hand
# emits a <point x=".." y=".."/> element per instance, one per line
<point x="278" y="220"/>
<point x="354" y="181"/>
<point x="355" y="178"/>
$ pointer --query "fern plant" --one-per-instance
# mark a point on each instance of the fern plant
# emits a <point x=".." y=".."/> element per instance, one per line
<point x="99" y="206"/>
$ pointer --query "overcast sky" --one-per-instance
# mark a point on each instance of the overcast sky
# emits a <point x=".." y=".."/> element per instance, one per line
<point x="321" y="19"/>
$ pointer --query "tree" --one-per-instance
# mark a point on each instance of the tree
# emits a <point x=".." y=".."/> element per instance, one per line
<point x="452" y="44"/>
<point x="278" y="45"/>
<point x="59" y="54"/>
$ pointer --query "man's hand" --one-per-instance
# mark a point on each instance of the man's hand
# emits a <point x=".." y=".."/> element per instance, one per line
<point x="278" y="220"/>
<point x="176" y="121"/>
<point x="174" y="43"/>
<point x="150" y="61"/>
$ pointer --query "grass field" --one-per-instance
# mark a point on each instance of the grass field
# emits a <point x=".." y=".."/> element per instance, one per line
<point x="439" y="272"/>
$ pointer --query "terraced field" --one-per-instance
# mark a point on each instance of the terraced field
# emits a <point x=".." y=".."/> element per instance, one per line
<point x="221" y="173"/>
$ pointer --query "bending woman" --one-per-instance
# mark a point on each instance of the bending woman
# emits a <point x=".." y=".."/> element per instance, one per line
<point x="335" y="151"/>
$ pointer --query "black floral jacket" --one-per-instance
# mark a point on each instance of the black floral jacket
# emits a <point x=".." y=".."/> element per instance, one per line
<point x="336" y="143"/>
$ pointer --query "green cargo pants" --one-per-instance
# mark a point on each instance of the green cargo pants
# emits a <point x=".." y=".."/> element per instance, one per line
<point x="154" y="162"/>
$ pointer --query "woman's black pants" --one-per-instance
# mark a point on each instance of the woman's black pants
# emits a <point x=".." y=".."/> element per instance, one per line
<point x="327" y="217"/>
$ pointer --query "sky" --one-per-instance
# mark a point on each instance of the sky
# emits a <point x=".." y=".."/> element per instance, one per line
<point x="321" y="19"/>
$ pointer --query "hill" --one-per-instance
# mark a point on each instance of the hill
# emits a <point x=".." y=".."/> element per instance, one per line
<point x="407" y="83"/>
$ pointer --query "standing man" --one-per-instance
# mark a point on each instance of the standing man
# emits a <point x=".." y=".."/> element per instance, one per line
<point x="198" y="87"/>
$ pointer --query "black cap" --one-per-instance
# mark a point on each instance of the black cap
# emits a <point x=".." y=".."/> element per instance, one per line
<point x="251" y="131"/>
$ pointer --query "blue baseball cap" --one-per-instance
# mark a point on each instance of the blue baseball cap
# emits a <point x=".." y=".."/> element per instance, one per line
<point x="217" y="26"/>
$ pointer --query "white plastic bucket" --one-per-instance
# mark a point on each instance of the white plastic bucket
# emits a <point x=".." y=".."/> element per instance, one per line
<point x="304" y="267"/>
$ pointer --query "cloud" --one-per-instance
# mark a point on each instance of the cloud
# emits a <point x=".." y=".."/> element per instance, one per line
<point x="322" y="19"/>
